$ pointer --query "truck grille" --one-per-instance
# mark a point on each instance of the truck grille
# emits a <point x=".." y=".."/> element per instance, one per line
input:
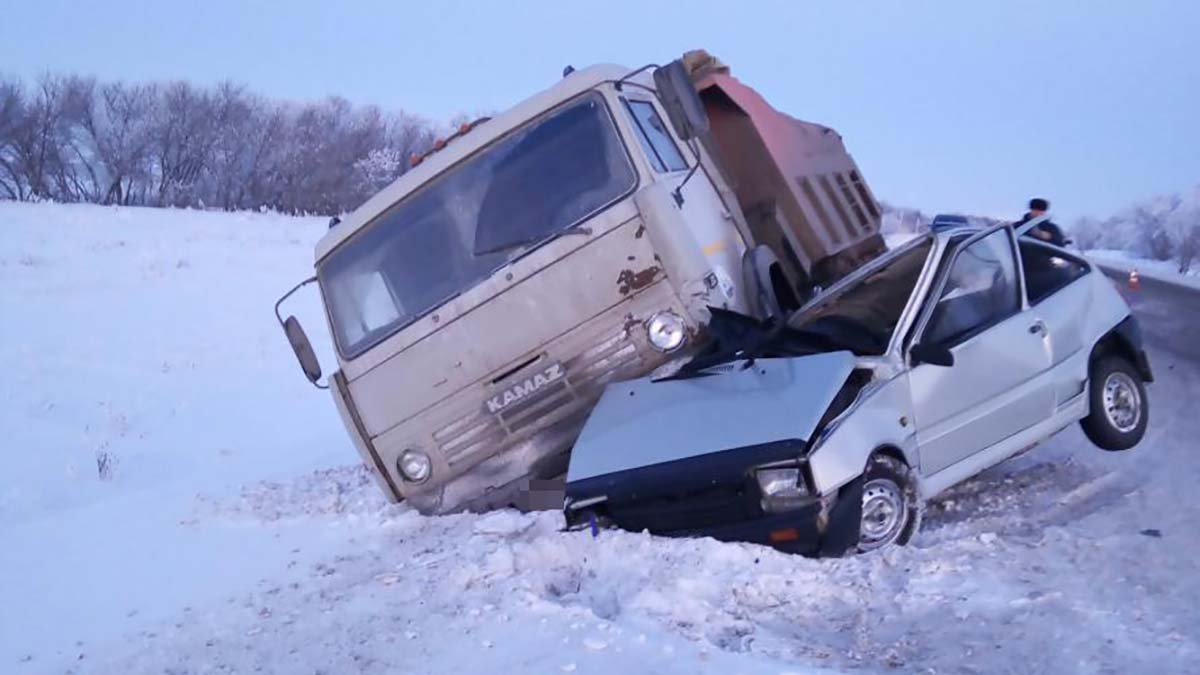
<point x="586" y="375"/>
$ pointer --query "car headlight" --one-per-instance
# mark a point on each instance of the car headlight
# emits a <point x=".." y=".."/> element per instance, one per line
<point x="782" y="489"/>
<point x="666" y="331"/>
<point x="414" y="465"/>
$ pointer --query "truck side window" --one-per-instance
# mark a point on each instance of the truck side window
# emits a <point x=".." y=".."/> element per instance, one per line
<point x="654" y="137"/>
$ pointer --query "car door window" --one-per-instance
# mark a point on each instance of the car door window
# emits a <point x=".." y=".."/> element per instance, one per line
<point x="1047" y="270"/>
<point x="656" y="141"/>
<point x="981" y="290"/>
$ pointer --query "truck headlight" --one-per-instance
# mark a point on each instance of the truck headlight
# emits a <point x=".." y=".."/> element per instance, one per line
<point x="782" y="489"/>
<point x="666" y="331"/>
<point x="414" y="465"/>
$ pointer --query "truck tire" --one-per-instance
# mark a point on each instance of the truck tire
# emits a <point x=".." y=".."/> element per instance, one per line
<point x="891" y="506"/>
<point x="767" y="286"/>
<point x="1119" y="408"/>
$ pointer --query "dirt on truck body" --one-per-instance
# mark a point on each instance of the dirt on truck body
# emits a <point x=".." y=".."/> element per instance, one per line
<point x="480" y="303"/>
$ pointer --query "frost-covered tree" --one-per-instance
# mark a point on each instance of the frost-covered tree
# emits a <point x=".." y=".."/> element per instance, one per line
<point x="118" y="128"/>
<point x="12" y="114"/>
<point x="71" y="139"/>
<point x="1166" y="227"/>
<point x="1088" y="233"/>
<point x="42" y="143"/>
<point x="1183" y="228"/>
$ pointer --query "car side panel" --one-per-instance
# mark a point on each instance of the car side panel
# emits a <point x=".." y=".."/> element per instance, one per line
<point x="1065" y="315"/>
<point x="999" y="384"/>
<point x="1101" y="312"/>
<point x="1106" y="309"/>
<point x="1074" y="410"/>
<point x="881" y="416"/>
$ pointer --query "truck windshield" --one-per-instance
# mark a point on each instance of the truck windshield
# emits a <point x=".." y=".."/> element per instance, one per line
<point x="473" y="219"/>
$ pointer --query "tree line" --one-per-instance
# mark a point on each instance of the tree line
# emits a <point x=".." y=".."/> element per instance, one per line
<point x="1165" y="227"/>
<point x="67" y="138"/>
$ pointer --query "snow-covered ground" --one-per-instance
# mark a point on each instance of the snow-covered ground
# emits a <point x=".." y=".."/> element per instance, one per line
<point x="233" y="532"/>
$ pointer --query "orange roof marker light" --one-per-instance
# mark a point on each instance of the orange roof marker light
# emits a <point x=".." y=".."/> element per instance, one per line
<point x="440" y="143"/>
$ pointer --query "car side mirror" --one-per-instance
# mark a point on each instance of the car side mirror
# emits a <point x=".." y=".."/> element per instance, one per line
<point x="303" y="349"/>
<point x="933" y="354"/>
<point x="680" y="100"/>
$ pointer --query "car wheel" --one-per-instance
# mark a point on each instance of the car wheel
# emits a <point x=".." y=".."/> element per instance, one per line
<point x="1119" y="407"/>
<point x="891" y="507"/>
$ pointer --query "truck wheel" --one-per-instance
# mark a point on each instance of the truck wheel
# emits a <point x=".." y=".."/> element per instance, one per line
<point x="891" y="508"/>
<point x="1119" y="407"/>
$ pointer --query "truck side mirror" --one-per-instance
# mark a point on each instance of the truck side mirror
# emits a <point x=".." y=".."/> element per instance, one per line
<point x="933" y="354"/>
<point x="681" y="101"/>
<point x="303" y="349"/>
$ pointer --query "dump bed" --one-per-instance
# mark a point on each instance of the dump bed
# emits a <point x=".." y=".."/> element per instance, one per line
<point x="790" y="177"/>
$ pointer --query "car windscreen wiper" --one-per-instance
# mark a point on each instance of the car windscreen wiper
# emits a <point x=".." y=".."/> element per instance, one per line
<point x="737" y="337"/>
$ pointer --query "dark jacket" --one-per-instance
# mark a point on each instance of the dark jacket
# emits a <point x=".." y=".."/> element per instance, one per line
<point x="1047" y="227"/>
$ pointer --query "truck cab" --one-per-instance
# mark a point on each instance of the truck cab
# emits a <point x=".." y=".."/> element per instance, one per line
<point x="480" y="303"/>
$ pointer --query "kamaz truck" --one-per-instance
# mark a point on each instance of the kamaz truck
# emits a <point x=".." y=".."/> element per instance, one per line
<point x="480" y="303"/>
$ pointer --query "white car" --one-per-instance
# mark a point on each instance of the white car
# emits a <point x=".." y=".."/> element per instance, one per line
<point x="826" y="433"/>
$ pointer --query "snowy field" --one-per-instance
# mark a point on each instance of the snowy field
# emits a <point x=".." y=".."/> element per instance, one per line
<point x="231" y="532"/>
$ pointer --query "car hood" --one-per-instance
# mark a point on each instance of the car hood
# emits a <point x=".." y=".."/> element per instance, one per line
<point x="641" y="423"/>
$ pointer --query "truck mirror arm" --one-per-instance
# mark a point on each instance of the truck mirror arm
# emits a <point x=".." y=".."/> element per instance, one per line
<point x="678" y="192"/>
<point x="302" y="284"/>
<point x="298" y="340"/>
<point x="624" y="80"/>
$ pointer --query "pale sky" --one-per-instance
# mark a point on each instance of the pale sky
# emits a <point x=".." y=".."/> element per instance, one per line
<point x="947" y="106"/>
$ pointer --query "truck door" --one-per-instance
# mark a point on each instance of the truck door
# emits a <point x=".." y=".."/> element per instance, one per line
<point x="999" y="382"/>
<point x="708" y="221"/>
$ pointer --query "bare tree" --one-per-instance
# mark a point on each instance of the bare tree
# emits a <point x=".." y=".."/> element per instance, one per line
<point x="43" y="140"/>
<point x="1183" y="227"/>
<point x="174" y="144"/>
<point x="118" y="127"/>
<point x="12" y="114"/>
<point x="181" y="139"/>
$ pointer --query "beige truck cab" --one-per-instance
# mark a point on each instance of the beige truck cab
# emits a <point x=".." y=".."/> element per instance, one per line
<point x="480" y="303"/>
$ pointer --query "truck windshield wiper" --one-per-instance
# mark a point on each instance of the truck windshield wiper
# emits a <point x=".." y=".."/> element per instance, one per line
<point x="535" y="242"/>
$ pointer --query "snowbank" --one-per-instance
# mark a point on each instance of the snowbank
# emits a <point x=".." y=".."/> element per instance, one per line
<point x="233" y="533"/>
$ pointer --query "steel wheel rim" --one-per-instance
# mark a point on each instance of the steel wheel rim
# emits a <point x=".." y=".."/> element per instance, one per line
<point x="883" y="514"/>
<point x="1122" y="402"/>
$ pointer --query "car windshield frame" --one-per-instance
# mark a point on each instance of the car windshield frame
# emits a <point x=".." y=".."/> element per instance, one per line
<point x="798" y="320"/>
<point x="334" y="271"/>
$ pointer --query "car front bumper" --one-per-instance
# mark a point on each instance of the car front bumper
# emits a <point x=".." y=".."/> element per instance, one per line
<point x="715" y="495"/>
<point x="795" y="531"/>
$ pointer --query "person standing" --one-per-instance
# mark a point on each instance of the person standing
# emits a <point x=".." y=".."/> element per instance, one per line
<point x="1044" y="229"/>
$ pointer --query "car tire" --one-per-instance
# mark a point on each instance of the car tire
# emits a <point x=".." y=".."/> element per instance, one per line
<point x="891" y="505"/>
<point x="1119" y="408"/>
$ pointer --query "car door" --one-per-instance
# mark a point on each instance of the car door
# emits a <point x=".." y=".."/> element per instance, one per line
<point x="1059" y="297"/>
<point x="998" y="383"/>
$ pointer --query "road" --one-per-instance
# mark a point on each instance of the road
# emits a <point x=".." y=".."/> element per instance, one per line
<point x="1170" y="316"/>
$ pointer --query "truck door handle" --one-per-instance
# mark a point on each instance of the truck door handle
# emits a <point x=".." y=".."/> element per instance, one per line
<point x="1038" y="328"/>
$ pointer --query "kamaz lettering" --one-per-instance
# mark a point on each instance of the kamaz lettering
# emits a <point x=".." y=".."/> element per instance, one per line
<point x="524" y="388"/>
